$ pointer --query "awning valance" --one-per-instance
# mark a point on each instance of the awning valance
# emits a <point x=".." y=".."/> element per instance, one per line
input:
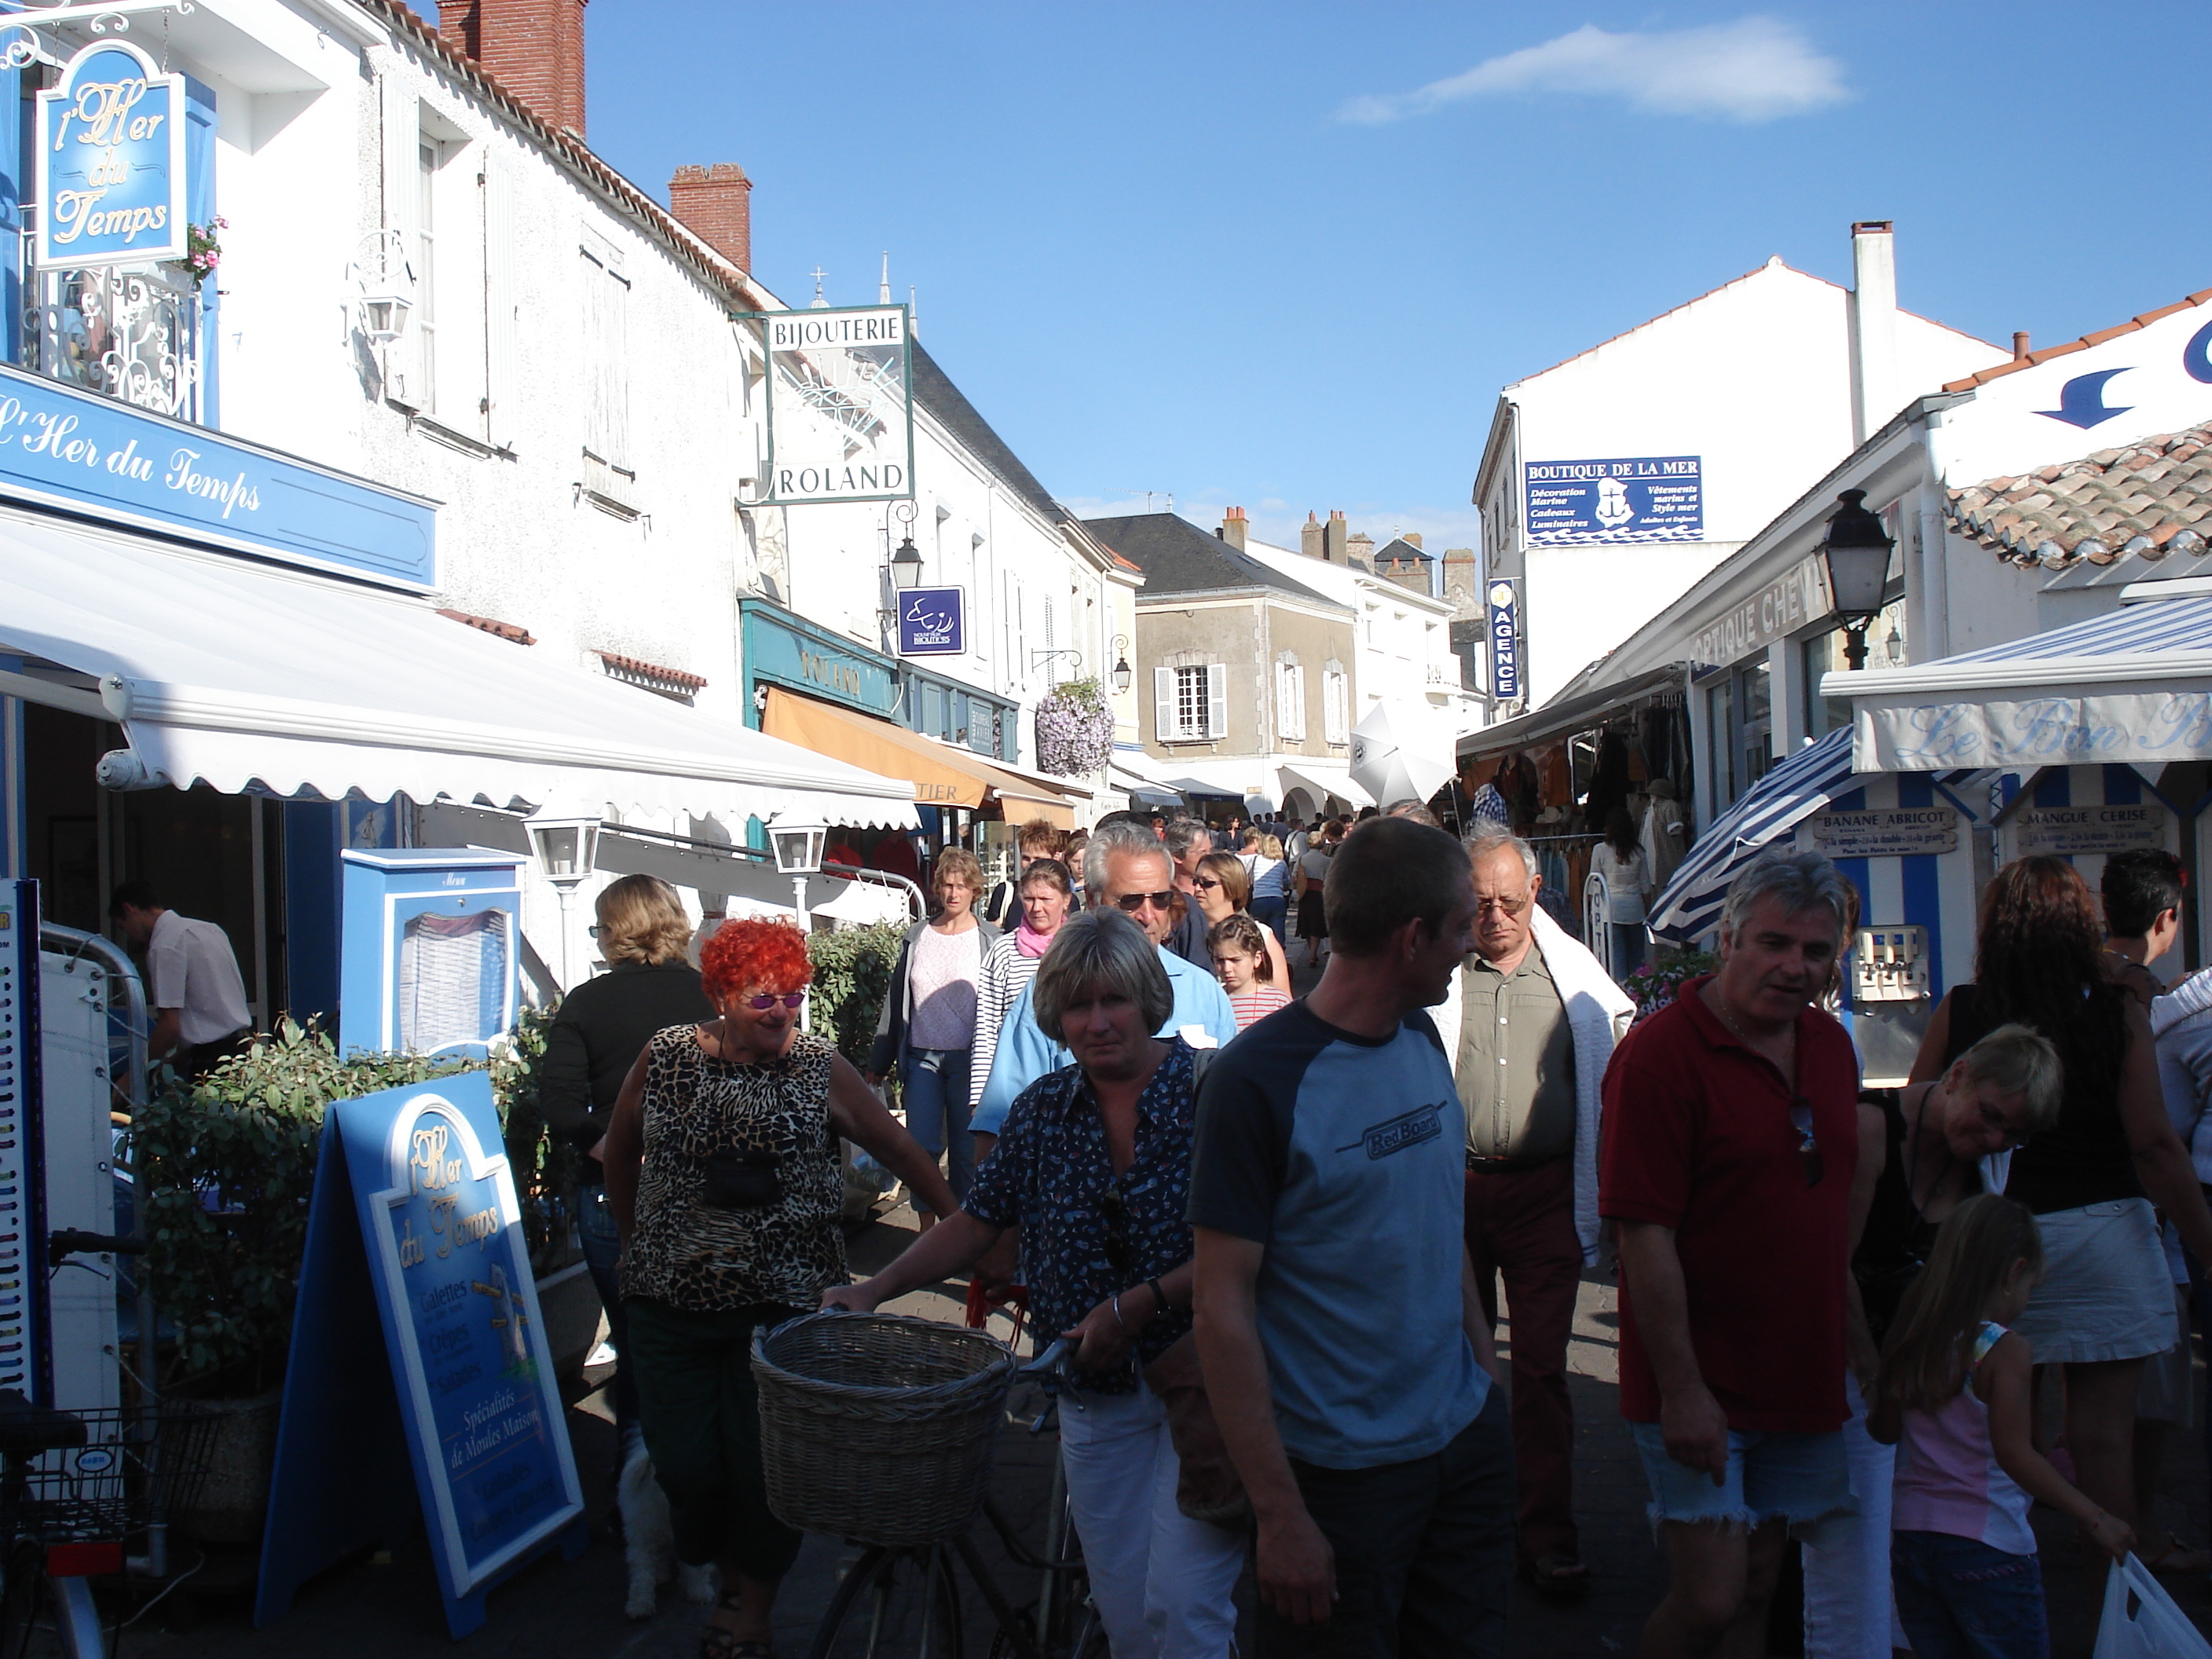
<point x="939" y="774"/>
<point x="246" y="677"/>
<point x="2132" y="686"/>
<point x="1577" y="712"/>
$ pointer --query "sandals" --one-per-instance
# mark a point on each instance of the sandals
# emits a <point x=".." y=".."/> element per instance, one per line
<point x="1562" y="1577"/>
<point x="720" y="1642"/>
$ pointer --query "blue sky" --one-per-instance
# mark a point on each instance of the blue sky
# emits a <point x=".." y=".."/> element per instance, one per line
<point x="1237" y="252"/>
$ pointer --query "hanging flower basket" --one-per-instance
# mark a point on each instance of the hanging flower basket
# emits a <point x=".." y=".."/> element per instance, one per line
<point x="1074" y="730"/>
<point x="202" y="252"/>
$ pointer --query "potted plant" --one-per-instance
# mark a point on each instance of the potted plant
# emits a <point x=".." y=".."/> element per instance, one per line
<point x="1074" y="730"/>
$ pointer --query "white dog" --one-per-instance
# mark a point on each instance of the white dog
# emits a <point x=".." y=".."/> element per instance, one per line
<point x="649" y="1543"/>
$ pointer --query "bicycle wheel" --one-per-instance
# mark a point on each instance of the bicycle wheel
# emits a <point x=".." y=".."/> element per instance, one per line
<point x="893" y="1604"/>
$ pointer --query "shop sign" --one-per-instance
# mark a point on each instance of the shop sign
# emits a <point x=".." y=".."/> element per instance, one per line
<point x="2064" y="831"/>
<point x="1899" y="833"/>
<point x="1505" y="640"/>
<point x="1792" y="601"/>
<point x="840" y="405"/>
<point x="64" y="448"/>
<point x="1657" y="498"/>
<point x="931" y="622"/>
<point x="110" y="179"/>
<point x="421" y="1173"/>
<point x="780" y="654"/>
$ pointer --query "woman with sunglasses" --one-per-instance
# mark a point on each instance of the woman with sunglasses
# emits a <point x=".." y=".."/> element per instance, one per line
<point x="722" y="1173"/>
<point x="2105" y="1303"/>
<point x="926" y="1033"/>
<point x="1224" y="890"/>
<point x="1093" y="1164"/>
<point x="1922" y="1150"/>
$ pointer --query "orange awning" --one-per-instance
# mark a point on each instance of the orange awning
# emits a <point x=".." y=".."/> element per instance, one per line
<point x="942" y="775"/>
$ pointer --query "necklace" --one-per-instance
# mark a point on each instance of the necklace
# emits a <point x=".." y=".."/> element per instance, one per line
<point x="1911" y="1170"/>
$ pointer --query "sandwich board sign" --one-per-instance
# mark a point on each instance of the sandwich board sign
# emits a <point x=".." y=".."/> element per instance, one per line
<point x="415" y="1247"/>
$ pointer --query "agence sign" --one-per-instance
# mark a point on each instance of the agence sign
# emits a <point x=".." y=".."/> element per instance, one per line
<point x="110" y="179"/>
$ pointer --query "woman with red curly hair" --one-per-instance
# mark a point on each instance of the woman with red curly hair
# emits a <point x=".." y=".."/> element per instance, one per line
<point x="722" y="1172"/>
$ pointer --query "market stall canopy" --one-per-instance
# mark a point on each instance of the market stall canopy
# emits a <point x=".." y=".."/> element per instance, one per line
<point x="1769" y="811"/>
<point x="1570" y="712"/>
<point x="1203" y="790"/>
<point x="1401" y="751"/>
<point x="246" y="677"/>
<point x="2133" y="685"/>
<point x="939" y="774"/>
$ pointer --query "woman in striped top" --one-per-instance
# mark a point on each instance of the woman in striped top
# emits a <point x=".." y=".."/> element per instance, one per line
<point x="1047" y="892"/>
<point x="1239" y="945"/>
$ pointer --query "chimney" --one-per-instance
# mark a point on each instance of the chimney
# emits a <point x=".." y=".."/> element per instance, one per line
<point x="1359" y="550"/>
<point x="1874" y="396"/>
<point x="716" y="204"/>
<point x="2019" y="345"/>
<point x="1460" y="573"/>
<point x="1411" y="537"/>
<point x="534" y="48"/>
<point x="1232" y="529"/>
<point x="1332" y="538"/>
<point x="1310" y="538"/>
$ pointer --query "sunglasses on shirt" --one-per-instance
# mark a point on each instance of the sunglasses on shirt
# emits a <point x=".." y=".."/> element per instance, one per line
<point x="1809" y="1147"/>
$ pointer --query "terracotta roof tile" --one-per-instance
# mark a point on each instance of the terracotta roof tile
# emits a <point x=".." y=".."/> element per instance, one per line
<point x="512" y="631"/>
<point x="1982" y="377"/>
<point x="651" y="675"/>
<point x="2150" y="499"/>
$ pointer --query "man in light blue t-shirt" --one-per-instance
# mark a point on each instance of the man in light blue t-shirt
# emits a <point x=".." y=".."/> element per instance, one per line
<point x="1345" y="1350"/>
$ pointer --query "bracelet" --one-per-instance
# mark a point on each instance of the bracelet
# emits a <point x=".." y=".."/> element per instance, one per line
<point x="1115" y="1302"/>
<point x="1159" y="1297"/>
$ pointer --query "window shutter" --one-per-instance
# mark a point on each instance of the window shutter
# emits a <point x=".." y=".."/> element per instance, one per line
<point x="1164" y="705"/>
<point x="1216" y="699"/>
<point x="1297" y="676"/>
<point x="501" y="353"/>
<point x="401" y="117"/>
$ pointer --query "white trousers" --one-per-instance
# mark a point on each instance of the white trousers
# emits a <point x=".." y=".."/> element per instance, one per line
<point x="1848" y="1606"/>
<point x="1163" y="1582"/>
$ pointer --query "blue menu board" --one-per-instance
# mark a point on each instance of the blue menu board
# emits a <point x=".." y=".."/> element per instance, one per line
<point x="440" y="1242"/>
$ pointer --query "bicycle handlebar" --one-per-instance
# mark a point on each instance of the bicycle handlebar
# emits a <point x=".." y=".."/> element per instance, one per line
<point x="72" y="1241"/>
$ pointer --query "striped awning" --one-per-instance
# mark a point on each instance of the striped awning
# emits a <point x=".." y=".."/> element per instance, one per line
<point x="2132" y="685"/>
<point x="1797" y="788"/>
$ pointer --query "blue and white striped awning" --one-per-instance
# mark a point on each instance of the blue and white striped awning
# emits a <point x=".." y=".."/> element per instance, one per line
<point x="1690" y="903"/>
<point x="2132" y="686"/>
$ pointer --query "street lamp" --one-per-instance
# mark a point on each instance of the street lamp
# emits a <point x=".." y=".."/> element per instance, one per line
<point x="1857" y="552"/>
<point x="568" y="851"/>
<point x="1121" y="674"/>
<point x="906" y="565"/>
<point x="798" y="847"/>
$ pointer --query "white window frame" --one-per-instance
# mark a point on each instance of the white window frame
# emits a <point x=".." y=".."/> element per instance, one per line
<point x="1290" y="702"/>
<point x="1335" y="705"/>
<point x="1190" y="702"/>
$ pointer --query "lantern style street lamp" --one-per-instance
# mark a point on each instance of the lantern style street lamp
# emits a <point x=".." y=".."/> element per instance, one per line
<point x="1857" y="552"/>
<point x="1121" y="673"/>
<point x="906" y="565"/>
<point x="797" y="845"/>
<point x="568" y="850"/>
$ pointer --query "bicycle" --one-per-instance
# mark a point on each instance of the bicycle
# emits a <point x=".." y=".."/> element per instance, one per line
<point x="908" y="1599"/>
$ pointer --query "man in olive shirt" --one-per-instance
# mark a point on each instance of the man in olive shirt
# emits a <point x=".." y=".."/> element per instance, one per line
<point x="1530" y="1025"/>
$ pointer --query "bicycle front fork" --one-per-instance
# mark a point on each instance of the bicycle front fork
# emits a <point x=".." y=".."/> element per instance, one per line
<point x="76" y="1620"/>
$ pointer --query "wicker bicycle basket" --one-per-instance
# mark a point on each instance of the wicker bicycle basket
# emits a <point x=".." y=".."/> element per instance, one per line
<point x="878" y="1427"/>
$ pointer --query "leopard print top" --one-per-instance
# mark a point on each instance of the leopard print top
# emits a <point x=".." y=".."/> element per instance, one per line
<point x="703" y="1259"/>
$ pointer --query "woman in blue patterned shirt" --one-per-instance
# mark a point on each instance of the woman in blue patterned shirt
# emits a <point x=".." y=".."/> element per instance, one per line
<point x="1093" y="1164"/>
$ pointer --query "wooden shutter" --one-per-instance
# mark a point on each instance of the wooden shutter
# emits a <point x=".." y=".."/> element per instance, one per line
<point x="606" y="320"/>
<point x="400" y="114"/>
<point x="502" y="354"/>
<point x="1164" y="724"/>
<point x="1216" y="699"/>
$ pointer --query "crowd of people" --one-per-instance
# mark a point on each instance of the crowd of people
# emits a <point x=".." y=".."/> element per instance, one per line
<point x="1275" y="1230"/>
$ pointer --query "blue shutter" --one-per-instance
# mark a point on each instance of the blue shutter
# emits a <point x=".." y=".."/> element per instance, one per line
<point x="200" y="209"/>
<point x="14" y="123"/>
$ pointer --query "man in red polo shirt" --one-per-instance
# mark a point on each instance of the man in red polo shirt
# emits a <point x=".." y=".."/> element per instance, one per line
<point x="1730" y="1138"/>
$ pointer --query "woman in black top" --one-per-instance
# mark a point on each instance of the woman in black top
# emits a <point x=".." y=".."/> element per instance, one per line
<point x="602" y="1027"/>
<point x="2104" y="1304"/>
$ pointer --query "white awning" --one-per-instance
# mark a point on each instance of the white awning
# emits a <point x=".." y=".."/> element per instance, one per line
<point x="1321" y="781"/>
<point x="2132" y="686"/>
<point x="248" y="677"/>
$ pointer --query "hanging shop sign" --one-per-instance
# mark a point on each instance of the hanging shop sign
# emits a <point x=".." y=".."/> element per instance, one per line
<point x="1504" y="640"/>
<point x="414" y="1232"/>
<point x="840" y="405"/>
<point x="1900" y="832"/>
<point x="110" y="176"/>
<point x="1654" y="498"/>
<point x="931" y="622"/>
<point x="2068" y="831"/>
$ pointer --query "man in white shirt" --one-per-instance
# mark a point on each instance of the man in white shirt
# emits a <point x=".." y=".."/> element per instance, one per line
<point x="192" y="981"/>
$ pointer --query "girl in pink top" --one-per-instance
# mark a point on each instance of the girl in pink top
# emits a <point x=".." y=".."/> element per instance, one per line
<point x="1240" y="961"/>
<point x="1953" y="1397"/>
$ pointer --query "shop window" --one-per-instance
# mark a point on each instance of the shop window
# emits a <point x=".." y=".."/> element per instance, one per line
<point x="1720" y="740"/>
<point x="1824" y="654"/>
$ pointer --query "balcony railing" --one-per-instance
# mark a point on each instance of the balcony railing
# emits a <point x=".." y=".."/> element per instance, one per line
<point x="131" y="334"/>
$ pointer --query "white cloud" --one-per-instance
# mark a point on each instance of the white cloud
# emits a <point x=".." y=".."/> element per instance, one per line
<point x="1758" y="69"/>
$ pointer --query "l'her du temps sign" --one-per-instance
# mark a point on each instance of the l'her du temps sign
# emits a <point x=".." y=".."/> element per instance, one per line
<point x="111" y="178"/>
<point x="414" y="1236"/>
<point x="840" y="405"/>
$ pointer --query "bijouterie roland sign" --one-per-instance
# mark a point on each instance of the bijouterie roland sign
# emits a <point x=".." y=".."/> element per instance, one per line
<point x="111" y="174"/>
<point x="840" y="405"/>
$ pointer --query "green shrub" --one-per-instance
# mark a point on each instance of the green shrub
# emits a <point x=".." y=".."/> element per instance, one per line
<point x="225" y="1168"/>
<point x="852" y="976"/>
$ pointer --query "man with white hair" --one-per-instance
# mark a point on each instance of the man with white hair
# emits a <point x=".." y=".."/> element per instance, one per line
<point x="1124" y="866"/>
<point x="1530" y="1025"/>
<point x="1188" y="841"/>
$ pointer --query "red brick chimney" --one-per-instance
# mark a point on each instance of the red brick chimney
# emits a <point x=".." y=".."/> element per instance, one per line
<point x="534" y="48"/>
<point x="1234" y="524"/>
<point x="716" y="204"/>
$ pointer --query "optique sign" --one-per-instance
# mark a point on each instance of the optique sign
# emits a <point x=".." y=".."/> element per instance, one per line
<point x="111" y="161"/>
